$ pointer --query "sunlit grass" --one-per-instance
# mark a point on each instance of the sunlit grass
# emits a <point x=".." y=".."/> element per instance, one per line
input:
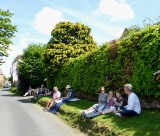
<point x="147" y="124"/>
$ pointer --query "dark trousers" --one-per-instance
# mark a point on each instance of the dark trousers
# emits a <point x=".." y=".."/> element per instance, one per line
<point x="126" y="112"/>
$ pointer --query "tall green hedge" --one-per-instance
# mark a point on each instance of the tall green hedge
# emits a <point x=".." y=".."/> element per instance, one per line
<point x="133" y="59"/>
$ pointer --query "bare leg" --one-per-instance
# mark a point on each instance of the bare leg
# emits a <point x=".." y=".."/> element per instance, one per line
<point x="26" y="94"/>
<point x="49" y="103"/>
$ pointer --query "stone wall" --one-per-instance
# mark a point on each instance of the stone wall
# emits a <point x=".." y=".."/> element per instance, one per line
<point x="151" y="104"/>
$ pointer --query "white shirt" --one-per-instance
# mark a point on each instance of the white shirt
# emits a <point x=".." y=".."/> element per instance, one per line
<point x="133" y="103"/>
<point x="56" y="95"/>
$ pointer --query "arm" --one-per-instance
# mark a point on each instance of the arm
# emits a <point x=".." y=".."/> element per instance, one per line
<point x="131" y="103"/>
<point x="121" y="103"/>
<point x="55" y="96"/>
<point x="99" y="101"/>
<point x="68" y="94"/>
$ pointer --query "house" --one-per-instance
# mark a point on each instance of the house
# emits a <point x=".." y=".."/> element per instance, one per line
<point x="14" y="73"/>
<point x="2" y="79"/>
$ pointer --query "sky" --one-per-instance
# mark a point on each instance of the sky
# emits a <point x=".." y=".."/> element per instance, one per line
<point x="35" y="19"/>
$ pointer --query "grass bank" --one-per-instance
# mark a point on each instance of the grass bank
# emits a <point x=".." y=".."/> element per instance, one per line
<point x="14" y="91"/>
<point x="148" y="124"/>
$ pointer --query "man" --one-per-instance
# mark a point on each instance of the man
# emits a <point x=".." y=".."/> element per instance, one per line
<point x="56" y="97"/>
<point x="70" y="94"/>
<point x="29" y="92"/>
<point x="133" y="108"/>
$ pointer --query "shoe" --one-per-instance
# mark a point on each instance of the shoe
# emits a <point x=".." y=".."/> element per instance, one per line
<point x="46" y="110"/>
<point x="118" y="114"/>
<point x="83" y="113"/>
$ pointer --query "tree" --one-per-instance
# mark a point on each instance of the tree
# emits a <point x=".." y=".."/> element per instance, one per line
<point x="69" y="40"/>
<point x="30" y="67"/>
<point x="7" y="31"/>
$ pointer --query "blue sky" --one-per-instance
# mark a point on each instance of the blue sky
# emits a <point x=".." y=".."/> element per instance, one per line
<point x="107" y="18"/>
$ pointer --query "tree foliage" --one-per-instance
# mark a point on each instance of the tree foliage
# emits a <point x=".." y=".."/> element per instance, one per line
<point x="30" y="67"/>
<point x="7" y="30"/>
<point x="133" y="59"/>
<point x="69" y="40"/>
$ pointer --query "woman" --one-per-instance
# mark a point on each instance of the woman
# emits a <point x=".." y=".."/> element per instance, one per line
<point x="102" y="100"/>
<point x="119" y="100"/>
<point x="56" y="97"/>
<point x="110" y="106"/>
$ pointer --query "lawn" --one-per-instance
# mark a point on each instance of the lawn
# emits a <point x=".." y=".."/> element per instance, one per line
<point x="148" y="124"/>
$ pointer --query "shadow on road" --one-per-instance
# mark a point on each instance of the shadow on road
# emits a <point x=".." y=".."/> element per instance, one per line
<point x="5" y="89"/>
<point x="7" y="95"/>
<point x="25" y="100"/>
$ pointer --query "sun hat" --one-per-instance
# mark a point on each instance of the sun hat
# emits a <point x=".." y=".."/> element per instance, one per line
<point x="68" y="87"/>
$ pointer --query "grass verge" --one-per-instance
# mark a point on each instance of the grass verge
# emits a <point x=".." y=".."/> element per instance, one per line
<point x="14" y="91"/>
<point x="148" y="124"/>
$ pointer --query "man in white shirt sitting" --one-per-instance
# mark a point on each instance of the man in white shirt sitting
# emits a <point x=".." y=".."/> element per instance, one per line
<point x="133" y="108"/>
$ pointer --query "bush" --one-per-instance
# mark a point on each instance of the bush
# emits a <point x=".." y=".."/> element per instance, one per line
<point x="132" y="59"/>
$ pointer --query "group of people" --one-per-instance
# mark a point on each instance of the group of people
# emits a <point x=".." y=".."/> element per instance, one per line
<point x="108" y="103"/>
<point x="41" y="91"/>
<point x="57" y="101"/>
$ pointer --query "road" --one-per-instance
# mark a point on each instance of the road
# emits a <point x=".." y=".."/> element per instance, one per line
<point x="18" y="117"/>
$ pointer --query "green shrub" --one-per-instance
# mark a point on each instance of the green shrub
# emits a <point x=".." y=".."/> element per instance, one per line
<point x="133" y="59"/>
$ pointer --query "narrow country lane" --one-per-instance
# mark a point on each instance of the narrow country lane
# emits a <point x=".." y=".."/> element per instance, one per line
<point x="18" y="117"/>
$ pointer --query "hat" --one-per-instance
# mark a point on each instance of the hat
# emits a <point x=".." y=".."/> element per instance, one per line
<point x="68" y="86"/>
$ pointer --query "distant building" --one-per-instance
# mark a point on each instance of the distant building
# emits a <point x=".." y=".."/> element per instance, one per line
<point x="2" y="79"/>
<point x="125" y="33"/>
<point x="14" y="74"/>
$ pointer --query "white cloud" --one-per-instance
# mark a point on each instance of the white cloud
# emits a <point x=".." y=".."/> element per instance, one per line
<point x="116" y="9"/>
<point x="46" y="19"/>
<point x="104" y="28"/>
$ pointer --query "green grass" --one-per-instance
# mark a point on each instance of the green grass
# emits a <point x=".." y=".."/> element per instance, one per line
<point x="14" y="91"/>
<point x="42" y="100"/>
<point x="148" y="124"/>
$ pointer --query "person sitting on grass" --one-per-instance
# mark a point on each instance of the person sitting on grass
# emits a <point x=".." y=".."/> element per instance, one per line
<point x="110" y="106"/>
<point x="47" y="92"/>
<point x="29" y="92"/>
<point x="133" y="108"/>
<point x="56" y="97"/>
<point x="119" y="100"/>
<point x="70" y="94"/>
<point x="40" y="91"/>
<point x="102" y="101"/>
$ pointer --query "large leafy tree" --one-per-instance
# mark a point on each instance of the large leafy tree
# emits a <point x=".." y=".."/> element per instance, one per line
<point x="7" y="30"/>
<point x="69" y="40"/>
<point x="30" y="67"/>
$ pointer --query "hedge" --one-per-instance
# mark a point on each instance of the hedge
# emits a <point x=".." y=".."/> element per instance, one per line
<point x="132" y="59"/>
